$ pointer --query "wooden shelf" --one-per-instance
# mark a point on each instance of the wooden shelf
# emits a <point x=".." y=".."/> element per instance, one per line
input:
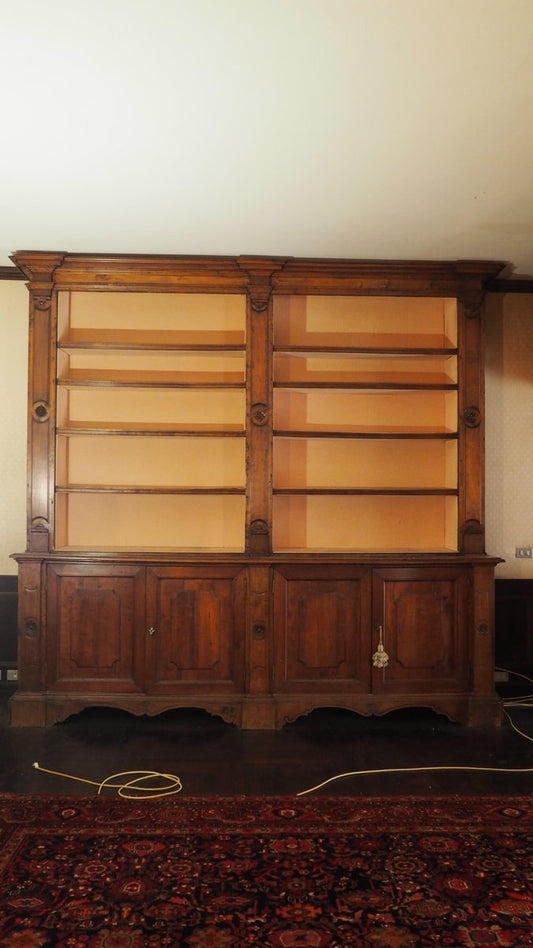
<point x="367" y="386"/>
<point x="148" y="431"/>
<point x="146" y="339"/>
<point x="140" y="489"/>
<point x="368" y="491"/>
<point x="382" y="346"/>
<point x="147" y="381"/>
<point x="381" y="434"/>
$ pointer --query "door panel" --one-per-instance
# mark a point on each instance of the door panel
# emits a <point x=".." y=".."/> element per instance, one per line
<point x="321" y="621"/>
<point x="95" y="628"/>
<point x="195" y="639"/>
<point x="420" y="616"/>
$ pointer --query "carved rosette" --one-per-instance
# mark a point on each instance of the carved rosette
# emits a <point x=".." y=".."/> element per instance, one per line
<point x="472" y="417"/>
<point x="40" y="411"/>
<point x="259" y="414"/>
<point x="31" y="628"/>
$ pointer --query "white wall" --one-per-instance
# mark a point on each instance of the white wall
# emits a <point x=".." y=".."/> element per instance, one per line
<point x="509" y="438"/>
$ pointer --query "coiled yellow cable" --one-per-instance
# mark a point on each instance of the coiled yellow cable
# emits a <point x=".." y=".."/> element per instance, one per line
<point x="134" y="789"/>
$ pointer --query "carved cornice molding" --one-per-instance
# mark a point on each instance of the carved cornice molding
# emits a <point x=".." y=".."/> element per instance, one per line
<point x="260" y="276"/>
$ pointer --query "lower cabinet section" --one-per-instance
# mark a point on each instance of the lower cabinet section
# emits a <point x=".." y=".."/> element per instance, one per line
<point x="258" y="642"/>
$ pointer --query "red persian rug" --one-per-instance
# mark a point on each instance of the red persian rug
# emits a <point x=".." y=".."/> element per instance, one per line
<point x="319" y="872"/>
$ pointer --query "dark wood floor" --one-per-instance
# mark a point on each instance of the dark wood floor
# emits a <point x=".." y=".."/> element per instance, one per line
<point x="211" y="757"/>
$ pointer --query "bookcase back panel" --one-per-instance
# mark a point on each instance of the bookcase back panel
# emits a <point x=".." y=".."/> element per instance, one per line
<point x="147" y="313"/>
<point x="170" y="462"/>
<point x="417" y="322"/>
<point x="155" y="408"/>
<point x="365" y="523"/>
<point x="326" y="462"/>
<point x="365" y="411"/>
<point x="114" y="521"/>
<point x="360" y="368"/>
<point x="153" y="365"/>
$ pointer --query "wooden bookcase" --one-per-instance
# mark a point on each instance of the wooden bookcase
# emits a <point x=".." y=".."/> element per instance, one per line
<point x="249" y="480"/>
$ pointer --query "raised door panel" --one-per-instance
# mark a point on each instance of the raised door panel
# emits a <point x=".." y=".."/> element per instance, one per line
<point x="419" y="618"/>
<point x="321" y="621"/>
<point x="95" y="640"/>
<point x="196" y="639"/>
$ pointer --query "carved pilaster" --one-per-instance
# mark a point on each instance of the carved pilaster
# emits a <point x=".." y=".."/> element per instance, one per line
<point x="259" y="272"/>
<point x="39" y="269"/>
<point x="471" y="406"/>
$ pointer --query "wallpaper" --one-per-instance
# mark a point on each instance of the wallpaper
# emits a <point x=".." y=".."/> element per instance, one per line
<point x="13" y="389"/>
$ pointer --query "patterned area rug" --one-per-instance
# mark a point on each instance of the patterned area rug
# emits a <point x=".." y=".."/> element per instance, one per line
<point x="317" y="872"/>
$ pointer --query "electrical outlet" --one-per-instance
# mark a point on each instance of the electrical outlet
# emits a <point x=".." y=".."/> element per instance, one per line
<point x="11" y="674"/>
<point x="523" y="553"/>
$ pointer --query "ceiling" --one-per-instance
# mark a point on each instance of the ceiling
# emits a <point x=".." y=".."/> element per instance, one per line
<point x="382" y="129"/>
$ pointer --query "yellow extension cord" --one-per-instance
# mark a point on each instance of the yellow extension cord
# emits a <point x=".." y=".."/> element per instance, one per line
<point x="136" y="784"/>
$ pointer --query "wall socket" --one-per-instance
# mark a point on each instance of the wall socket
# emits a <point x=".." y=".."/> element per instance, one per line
<point x="523" y="553"/>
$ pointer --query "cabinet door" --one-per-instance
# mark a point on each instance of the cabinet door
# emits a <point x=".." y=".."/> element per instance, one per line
<point x="95" y="630"/>
<point x="420" y="617"/>
<point x="321" y="622"/>
<point x="195" y="640"/>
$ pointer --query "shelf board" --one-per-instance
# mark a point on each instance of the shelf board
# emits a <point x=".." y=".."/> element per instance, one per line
<point x="369" y="491"/>
<point x="171" y="431"/>
<point x="364" y="550"/>
<point x="378" y="342"/>
<point x="366" y="349"/>
<point x="386" y="434"/>
<point x="158" y="379"/>
<point x="105" y="550"/>
<point x="113" y="382"/>
<point x="381" y="385"/>
<point x="116" y="489"/>
<point x="368" y="379"/>
<point x="194" y="341"/>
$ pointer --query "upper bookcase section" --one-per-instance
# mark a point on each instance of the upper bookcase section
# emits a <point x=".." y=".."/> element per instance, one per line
<point x="274" y="356"/>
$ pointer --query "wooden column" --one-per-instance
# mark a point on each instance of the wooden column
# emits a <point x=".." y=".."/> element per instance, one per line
<point x="41" y="397"/>
<point x="259" y="402"/>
